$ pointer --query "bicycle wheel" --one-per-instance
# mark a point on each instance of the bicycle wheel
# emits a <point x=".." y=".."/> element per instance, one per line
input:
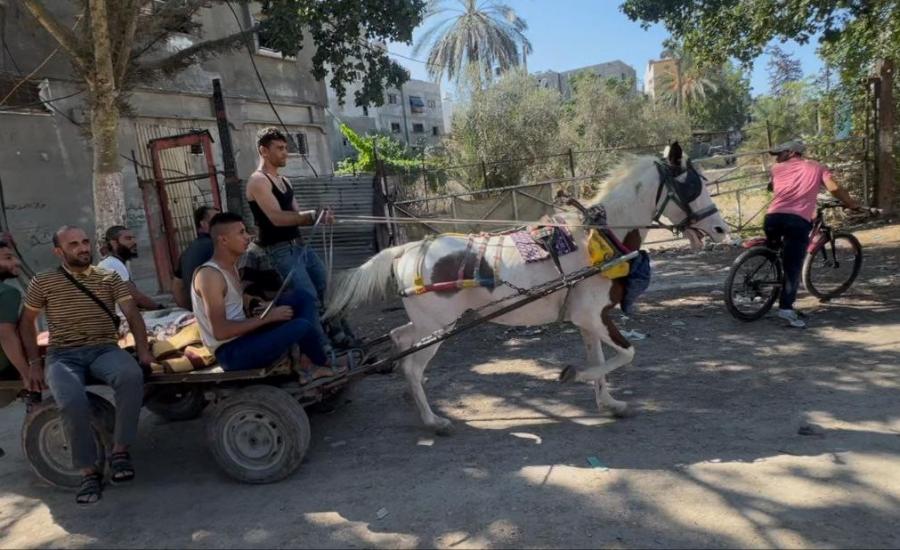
<point x="829" y="271"/>
<point x="753" y="283"/>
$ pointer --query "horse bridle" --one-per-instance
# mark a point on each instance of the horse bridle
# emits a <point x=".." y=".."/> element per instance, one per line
<point x="667" y="181"/>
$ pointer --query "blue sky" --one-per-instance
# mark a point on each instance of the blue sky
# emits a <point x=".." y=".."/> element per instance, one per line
<point x="567" y="34"/>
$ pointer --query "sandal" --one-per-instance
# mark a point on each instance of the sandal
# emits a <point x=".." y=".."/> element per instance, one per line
<point x="354" y="358"/>
<point x="91" y="489"/>
<point x="121" y="467"/>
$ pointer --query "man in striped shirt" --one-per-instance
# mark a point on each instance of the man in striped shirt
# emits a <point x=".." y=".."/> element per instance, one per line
<point x="79" y="302"/>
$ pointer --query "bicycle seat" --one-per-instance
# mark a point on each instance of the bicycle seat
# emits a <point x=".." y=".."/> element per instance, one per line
<point x="755" y="241"/>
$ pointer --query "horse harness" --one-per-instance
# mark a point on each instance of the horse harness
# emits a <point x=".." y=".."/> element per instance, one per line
<point x="682" y="193"/>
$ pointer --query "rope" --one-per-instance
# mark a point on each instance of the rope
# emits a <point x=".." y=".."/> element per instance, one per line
<point x="354" y="220"/>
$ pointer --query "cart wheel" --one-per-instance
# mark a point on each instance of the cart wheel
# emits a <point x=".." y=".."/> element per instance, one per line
<point x="259" y="434"/>
<point x="46" y="445"/>
<point x="177" y="403"/>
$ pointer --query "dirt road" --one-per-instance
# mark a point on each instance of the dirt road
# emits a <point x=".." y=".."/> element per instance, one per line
<point x="712" y="458"/>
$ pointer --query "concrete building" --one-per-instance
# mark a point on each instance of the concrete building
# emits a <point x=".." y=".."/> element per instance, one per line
<point x="413" y="115"/>
<point x="655" y="69"/>
<point x="561" y="81"/>
<point x="46" y="162"/>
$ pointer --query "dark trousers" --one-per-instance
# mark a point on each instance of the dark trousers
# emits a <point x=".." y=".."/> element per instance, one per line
<point x="792" y="232"/>
<point x="263" y="347"/>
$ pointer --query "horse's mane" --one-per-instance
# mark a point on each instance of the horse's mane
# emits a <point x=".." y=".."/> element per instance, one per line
<point x="624" y="171"/>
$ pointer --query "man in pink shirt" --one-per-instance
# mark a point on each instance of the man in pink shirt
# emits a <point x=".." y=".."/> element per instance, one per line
<point x="796" y="182"/>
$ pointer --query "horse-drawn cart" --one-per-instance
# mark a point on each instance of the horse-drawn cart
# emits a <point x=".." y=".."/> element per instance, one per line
<point x="257" y="428"/>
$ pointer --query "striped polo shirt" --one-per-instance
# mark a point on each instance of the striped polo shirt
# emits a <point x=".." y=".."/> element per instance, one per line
<point x="72" y="317"/>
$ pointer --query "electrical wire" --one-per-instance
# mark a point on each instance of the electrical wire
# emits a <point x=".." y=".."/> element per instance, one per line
<point x="47" y="102"/>
<point x="265" y="90"/>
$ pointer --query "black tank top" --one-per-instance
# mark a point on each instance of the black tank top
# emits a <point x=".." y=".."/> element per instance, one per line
<point x="269" y="233"/>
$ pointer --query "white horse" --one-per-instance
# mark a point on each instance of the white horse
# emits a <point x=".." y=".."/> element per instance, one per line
<point x="634" y="196"/>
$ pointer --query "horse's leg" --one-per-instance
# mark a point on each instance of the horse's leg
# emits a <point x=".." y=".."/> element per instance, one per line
<point x="414" y="366"/>
<point x="595" y="332"/>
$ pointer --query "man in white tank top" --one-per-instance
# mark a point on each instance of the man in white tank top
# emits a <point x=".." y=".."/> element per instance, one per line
<point x="240" y="342"/>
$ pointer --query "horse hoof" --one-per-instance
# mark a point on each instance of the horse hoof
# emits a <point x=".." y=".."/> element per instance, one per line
<point x="623" y="412"/>
<point x="567" y="374"/>
<point x="444" y="430"/>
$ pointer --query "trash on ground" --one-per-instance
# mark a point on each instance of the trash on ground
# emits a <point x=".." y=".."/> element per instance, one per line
<point x="596" y="464"/>
<point x="633" y="335"/>
<point x="525" y="435"/>
<point x="382" y="513"/>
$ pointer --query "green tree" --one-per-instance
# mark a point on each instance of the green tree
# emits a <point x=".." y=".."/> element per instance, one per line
<point x="686" y="82"/>
<point x="381" y="146"/>
<point x="606" y="113"/>
<point x="790" y="114"/>
<point x="726" y="108"/>
<point x="513" y="119"/>
<point x="115" y="44"/>
<point x="783" y="68"/>
<point x="473" y="43"/>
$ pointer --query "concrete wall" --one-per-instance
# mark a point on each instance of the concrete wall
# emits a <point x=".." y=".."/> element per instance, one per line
<point x="561" y="81"/>
<point x="45" y="159"/>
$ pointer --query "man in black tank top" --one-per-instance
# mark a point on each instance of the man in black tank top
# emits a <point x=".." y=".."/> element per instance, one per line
<point x="278" y="218"/>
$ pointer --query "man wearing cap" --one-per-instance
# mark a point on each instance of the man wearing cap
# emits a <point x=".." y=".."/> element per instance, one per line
<point x="795" y="183"/>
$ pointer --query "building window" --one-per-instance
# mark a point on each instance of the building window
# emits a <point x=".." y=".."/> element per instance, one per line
<point x="395" y="127"/>
<point x="435" y="131"/>
<point x="392" y="99"/>
<point x="432" y="104"/>
<point x="416" y="105"/>
<point x="300" y="143"/>
<point x="365" y="111"/>
<point x="418" y="128"/>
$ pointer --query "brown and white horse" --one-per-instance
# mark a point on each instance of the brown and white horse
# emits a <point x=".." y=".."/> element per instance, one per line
<point x="634" y="196"/>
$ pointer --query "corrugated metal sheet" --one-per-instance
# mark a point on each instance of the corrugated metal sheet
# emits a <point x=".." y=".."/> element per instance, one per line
<point x="348" y="196"/>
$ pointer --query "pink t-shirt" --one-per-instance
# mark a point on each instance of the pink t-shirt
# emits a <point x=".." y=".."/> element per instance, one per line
<point x="796" y="183"/>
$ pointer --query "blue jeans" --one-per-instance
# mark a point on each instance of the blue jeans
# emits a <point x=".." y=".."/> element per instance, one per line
<point x="263" y="347"/>
<point x="309" y="276"/>
<point x="792" y="232"/>
<point x="67" y="369"/>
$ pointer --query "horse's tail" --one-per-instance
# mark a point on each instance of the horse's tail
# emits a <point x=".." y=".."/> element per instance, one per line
<point x="368" y="282"/>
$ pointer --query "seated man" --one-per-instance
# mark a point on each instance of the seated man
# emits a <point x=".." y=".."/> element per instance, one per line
<point x="241" y="342"/>
<point x="79" y="301"/>
<point x="121" y="246"/>
<point x="196" y="254"/>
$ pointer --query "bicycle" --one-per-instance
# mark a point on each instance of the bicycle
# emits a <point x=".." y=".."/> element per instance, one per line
<point x="832" y="263"/>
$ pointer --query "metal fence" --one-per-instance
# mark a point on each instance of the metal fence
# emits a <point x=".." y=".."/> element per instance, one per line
<point x="737" y="182"/>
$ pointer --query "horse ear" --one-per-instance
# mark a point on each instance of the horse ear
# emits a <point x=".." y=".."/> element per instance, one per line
<point x="675" y="154"/>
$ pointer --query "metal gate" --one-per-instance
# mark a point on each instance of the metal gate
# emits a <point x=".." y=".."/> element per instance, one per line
<point x="182" y="177"/>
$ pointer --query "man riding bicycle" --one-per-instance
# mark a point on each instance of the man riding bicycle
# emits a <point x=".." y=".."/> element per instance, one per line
<point x="795" y="183"/>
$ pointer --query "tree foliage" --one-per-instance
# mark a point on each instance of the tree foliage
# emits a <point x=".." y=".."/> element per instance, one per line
<point x="607" y="113"/>
<point x="686" y="82"/>
<point x="482" y="38"/>
<point x="783" y="68"/>
<point x="514" y="118"/>
<point x="374" y="147"/>
<point x="726" y="108"/>
<point x="343" y="32"/>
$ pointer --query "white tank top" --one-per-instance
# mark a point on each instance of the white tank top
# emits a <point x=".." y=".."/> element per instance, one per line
<point x="234" y="307"/>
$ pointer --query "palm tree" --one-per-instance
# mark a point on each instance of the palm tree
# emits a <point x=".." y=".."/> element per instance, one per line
<point x="482" y="36"/>
<point x="686" y="81"/>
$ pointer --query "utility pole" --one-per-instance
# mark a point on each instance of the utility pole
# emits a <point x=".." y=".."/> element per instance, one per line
<point x="884" y="135"/>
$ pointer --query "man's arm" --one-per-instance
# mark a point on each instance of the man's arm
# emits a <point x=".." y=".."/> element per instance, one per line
<point x="138" y="330"/>
<point x="839" y="192"/>
<point x="12" y="348"/>
<point x="259" y="189"/>
<point x="211" y="286"/>
<point x="181" y="294"/>
<point x="140" y="299"/>
<point x="28" y="332"/>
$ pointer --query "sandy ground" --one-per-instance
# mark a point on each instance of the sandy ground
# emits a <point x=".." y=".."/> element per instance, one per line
<point x="712" y="458"/>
